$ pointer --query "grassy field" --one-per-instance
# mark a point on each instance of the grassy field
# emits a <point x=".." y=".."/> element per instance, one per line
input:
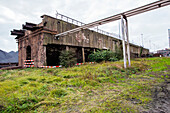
<point x="103" y="87"/>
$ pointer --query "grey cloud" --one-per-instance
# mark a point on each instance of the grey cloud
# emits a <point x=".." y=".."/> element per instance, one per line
<point x="153" y="25"/>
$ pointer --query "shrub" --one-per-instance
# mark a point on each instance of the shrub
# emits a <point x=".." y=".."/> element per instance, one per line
<point x="105" y="55"/>
<point x="67" y="58"/>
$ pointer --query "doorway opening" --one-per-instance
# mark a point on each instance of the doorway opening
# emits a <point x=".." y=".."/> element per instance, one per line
<point x="28" y="53"/>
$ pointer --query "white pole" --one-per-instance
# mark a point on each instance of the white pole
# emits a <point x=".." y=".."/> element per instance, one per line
<point x="123" y="41"/>
<point x="128" y="45"/>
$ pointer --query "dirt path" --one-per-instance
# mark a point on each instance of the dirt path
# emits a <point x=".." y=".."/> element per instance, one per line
<point x="161" y="97"/>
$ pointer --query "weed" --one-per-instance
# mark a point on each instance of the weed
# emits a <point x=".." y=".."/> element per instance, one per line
<point x="23" y="83"/>
<point x="58" y="79"/>
<point x="104" y="87"/>
<point x="31" y="79"/>
<point x="50" y="70"/>
<point x="58" y="93"/>
<point x="42" y="80"/>
<point x="33" y="84"/>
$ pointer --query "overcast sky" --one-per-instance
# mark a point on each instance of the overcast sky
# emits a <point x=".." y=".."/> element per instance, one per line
<point x="153" y="25"/>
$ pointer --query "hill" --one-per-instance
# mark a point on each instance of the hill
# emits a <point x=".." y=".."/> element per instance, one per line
<point x="10" y="57"/>
<point x="103" y="87"/>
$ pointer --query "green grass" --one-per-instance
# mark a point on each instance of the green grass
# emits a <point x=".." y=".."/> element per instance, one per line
<point x="103" y="87"/>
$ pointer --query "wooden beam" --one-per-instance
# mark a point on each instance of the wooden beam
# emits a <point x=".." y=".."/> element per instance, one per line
<point x="18" y="32"/>
<point x="30" y="26"/>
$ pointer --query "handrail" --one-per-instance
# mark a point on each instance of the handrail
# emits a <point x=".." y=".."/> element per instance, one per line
<point x="76" y="22"/>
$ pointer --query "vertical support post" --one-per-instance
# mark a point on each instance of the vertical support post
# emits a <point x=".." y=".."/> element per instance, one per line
<point x="83" y="54"/>
<point x="19" y="53"/>
<point x="142" y="40"/>
<point x="128" y="45"/>
<point x="67" y="48"/>
<point x="23" y="55"/>
<point x="44" y="56"/>
<point x="123" y="41"/>
<point x="94" y="50"/>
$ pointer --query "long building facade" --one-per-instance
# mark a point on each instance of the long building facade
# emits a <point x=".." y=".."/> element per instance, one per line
<point x="38" y="42"/>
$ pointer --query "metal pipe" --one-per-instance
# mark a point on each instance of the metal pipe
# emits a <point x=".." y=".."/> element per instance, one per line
<point x="142" y="9"/>
<point x="127" y="37"/>
<point x="123" y="41"/>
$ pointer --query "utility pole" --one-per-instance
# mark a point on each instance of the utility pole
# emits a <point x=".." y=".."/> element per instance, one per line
<point x="142" y="40"/>
<point x="169" y="36"/>
<point x="150" y="44"/>
<point x="154" y="47"/>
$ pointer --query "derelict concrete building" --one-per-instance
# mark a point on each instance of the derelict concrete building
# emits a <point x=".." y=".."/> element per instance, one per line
<point x="38" y="42"/>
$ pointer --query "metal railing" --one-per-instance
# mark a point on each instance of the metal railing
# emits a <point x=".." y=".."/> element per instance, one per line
<point x="78" y="23"/>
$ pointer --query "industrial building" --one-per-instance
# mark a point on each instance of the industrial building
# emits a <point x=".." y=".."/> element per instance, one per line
<point x="38" y="42"/>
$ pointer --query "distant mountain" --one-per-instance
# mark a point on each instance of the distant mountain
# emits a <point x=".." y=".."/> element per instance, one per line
<point x="10" y="57"/>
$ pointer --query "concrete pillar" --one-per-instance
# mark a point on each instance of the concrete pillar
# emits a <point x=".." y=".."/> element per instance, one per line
<point x="94" y="50"/>
<point x="67" y="48"/>
<point x="23" y="56"/>
<point x="44" y="55"/>
<point x="19" y="54"/>
<point x="83" y="54"/>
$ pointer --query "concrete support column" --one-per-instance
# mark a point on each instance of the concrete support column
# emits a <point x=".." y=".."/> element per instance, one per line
<point x="44" y="55"/>
<point x="67" y="48"/>
<point x="23" y="55"/>
<point x="19" y="54"/>
<point x="94" y="50"/>
<point x="83" y="54"/>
